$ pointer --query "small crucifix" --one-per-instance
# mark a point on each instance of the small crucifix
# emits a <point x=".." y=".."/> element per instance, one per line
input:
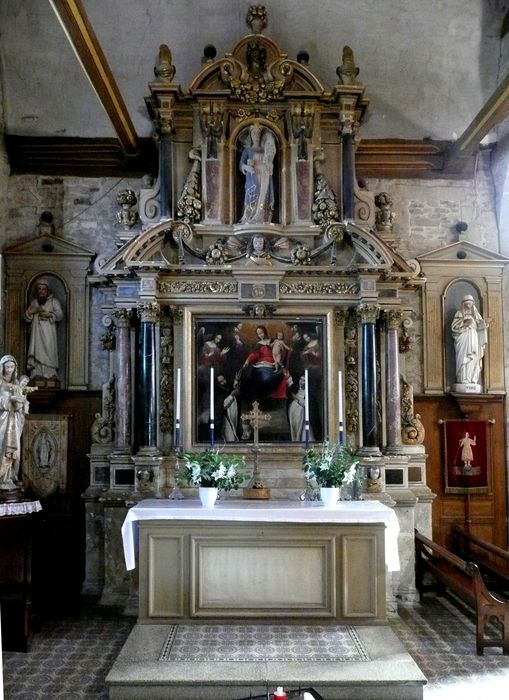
<point x="255" y="417"/>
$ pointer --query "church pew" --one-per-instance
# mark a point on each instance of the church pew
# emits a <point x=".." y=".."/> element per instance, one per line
<point x="492" y="561"/>
<point x="464" y="580"/>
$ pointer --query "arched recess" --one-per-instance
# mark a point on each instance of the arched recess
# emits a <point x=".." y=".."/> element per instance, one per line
<point x="452" y="299"/>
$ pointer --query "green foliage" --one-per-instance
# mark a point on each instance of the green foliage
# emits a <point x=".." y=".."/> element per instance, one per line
<point x="333" y="465"/>
<point x="213" y="468"/>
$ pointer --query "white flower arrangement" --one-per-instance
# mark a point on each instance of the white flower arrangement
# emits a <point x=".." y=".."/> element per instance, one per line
<point x="214" y="469"/>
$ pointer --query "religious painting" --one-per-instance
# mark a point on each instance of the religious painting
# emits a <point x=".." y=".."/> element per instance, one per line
<point x="239" y="361"/>
<point x="466" y="456"/>
<point x="44" y="464"/>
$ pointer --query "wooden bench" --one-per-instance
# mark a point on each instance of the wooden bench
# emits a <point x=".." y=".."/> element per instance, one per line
<point x="492" y="561"/>
<point x="465" y="580"/>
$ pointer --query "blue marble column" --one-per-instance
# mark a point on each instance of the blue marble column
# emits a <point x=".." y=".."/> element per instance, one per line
<point x="147" y="415"/>
<point x="368" y="314"/>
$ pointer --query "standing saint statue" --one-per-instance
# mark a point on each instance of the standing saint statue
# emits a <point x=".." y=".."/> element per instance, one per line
<point x="257" y="164"/>
<point x="470" y="333"/>
<point x="13" y="408"/>
<point x="43" y="313"/>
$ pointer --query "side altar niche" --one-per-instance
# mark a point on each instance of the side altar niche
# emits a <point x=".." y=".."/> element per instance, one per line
<point x="260" y="258"/>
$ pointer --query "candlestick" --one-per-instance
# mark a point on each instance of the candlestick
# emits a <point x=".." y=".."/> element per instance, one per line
<point x="340" y="407"/>
<point x="306" y="408"/>
<point x="211" y="412"/>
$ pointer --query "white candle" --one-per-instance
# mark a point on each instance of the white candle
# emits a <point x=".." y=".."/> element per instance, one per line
<point x="306" y="398"/>
<point x="211" y="394"/>
<point x="340" y="407"/>
<point x="340" y="398"/>
<point x="177" y="397"/>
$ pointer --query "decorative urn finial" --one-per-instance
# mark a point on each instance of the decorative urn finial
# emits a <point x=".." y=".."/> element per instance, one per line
<point x="257" y="18"/>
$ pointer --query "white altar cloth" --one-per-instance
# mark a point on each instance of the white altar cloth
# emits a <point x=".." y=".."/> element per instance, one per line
<point x="262" y="511"/>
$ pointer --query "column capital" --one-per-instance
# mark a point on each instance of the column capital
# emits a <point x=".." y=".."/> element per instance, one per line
<point x="149" y="311"/>
<point x="393" y="319"/>
<point x="368" y="313"/>
<point x="123" y="317"/>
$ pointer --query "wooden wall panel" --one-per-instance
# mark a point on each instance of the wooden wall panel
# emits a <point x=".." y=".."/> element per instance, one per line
<point x="487" y="512"/>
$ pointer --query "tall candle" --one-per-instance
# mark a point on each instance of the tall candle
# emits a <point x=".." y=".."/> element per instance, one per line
<point x="177" y="397"/>
<point x="306" y="397"/>
<point x="340" y="405"/>
<point x="177" y="408"/>
<point x="306" y="408"/>
<point x="211" y="413"/>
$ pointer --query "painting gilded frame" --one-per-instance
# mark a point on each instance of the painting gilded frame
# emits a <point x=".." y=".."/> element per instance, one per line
<point x="467" y="468"/>
<point x="267" y="366"/>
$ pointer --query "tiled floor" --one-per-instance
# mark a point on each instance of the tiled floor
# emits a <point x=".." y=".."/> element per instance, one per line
<point x="70" y="658"/>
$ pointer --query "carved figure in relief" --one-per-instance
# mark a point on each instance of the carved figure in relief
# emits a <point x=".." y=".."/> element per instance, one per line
<point x="470" y="333"/>
<point x="43" y="313"/>
<point x="13" y="408"/>
<point x="257" y="164"/>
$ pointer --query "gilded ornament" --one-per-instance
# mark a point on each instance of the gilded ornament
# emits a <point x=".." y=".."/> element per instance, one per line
<point x="347" y="72"/>
<point x="217" y="253"/>
<point x="198" y="287"/>
<point x="126" y="217"/>
<point x="384" y="217"/>
<point x="301" y="255"/>
<point x="165" y="70"/>
<point x="149" y="311"/>
<point x="317" y="288"/>
<point x="256" y="18"/>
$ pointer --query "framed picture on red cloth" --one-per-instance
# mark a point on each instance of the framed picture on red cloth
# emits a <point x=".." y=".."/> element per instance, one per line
<point x="466" y="456"/>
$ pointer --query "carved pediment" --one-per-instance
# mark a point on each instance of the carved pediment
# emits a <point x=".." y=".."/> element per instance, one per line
<point x="47" y="245"/>
<point x="461" y="252"/>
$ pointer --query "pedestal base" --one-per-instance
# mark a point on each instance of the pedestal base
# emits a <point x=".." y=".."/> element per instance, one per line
<point x="260" y="494"/>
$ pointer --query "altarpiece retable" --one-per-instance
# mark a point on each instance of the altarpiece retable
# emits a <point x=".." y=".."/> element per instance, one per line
<point x="259" y="257"/>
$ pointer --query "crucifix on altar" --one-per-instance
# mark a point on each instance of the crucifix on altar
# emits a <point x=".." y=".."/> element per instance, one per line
<point x="255" y="488"/>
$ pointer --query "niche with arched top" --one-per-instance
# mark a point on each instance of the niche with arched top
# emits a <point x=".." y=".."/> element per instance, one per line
<point x="258" y="176"/>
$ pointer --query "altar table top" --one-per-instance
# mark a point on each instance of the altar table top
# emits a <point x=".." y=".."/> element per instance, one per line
<point x="260" y="512"/>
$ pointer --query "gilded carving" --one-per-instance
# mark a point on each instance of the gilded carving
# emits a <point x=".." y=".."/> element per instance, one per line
<point x="166" y="384"/>
<point x="340" y="316"/>
<point x="101" y="431"/>
<point x="256" y="18"/>
<point x="189" y="206"/>
<point x="325" y="205"/>
<point x="351" y="381"/>
<point x="126" y="217"/>
<point x="301" y="255"/>
<point x="316" y="288"/>
<point x="164" y="70"/>
<point x="384" y="217"/>
<point x="197" y="287"/>
<point x="412" y="429"/>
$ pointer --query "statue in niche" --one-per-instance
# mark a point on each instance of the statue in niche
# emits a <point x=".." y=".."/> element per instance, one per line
<point x="43" y="313"/>
<point x="256" y="164"/>
<point x="470" y="333"/>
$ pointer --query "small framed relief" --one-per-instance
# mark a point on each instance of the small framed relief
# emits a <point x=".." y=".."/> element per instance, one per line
<point x="45" y="454"/>
<point x="466" y="456"/>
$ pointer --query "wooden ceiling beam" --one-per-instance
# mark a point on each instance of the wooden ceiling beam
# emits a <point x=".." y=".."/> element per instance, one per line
<point x="81" y="35"/>
<point x="494" y="111"/>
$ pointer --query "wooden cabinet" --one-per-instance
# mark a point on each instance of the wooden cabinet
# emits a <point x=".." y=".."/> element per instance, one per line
<point x="16" y="537"/>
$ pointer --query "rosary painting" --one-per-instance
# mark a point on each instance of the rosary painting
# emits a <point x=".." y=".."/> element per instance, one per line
<point x="240" y="361"/>
<point x="466" y="456"/>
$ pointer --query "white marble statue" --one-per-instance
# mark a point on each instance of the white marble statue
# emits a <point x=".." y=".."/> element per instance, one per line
<point x="13" y="408"/>
<point x="43" y="313"/>
<point x="470" y="333"/>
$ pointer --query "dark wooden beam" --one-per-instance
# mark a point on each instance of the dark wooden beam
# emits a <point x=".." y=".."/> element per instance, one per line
<point x="80" y="157"/>
<point x="80" y="33"/>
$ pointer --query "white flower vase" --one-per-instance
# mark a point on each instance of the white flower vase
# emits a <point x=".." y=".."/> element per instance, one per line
<point x="329" y="495"/>
<point x="208" y="496"/>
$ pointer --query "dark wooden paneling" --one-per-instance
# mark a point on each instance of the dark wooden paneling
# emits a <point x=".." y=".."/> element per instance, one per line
<point x="59" y="542"/>
<point x="488" y="511"/>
